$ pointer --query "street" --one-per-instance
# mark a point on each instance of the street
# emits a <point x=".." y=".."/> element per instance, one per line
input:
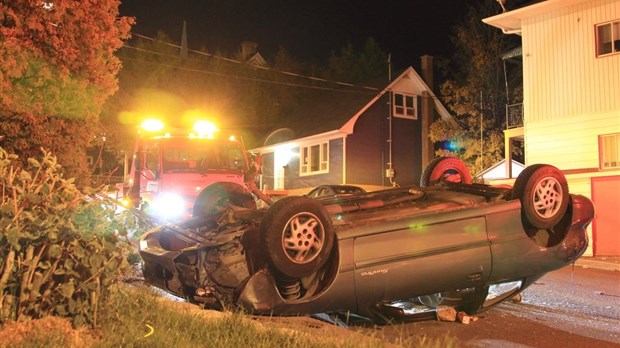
<point x="571" y="307"/>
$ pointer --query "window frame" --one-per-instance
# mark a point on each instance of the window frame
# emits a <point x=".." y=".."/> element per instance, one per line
<point x="615" y="33"/>
<point x="305" y="165"/>
<point x="602" y="150"/>
<point x="404" y="107"/>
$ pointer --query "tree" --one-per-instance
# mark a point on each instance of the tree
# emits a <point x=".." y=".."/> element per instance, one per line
<point x="475" y="93"/>
<point x="354" y="67"/>
<point x="57" y="69"/>
<point x="236" y="95"/>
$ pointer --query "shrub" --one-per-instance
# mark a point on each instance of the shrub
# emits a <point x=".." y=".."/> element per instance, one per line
<point x="60" y="248"/>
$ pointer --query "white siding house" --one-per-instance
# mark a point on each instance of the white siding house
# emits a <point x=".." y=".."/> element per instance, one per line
<point x="571" y="101"/>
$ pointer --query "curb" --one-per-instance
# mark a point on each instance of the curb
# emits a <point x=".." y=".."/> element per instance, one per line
<point x="598" y="264"/>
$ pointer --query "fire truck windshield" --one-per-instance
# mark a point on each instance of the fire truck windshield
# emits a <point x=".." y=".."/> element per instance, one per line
<point x="195" y="155"/>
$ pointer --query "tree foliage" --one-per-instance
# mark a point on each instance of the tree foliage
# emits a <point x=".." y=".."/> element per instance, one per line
<point x="61" y="249"/>
<point x="57" y="67"/>
<point x="476" y="92"/>
<point x="354" y="67"/>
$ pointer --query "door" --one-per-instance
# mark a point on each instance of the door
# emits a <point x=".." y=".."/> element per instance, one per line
<point x="422" y="259"/>
<point x="605" y="231"/>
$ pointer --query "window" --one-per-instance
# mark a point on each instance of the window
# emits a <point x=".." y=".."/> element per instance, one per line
<point x="608" y="38"/>
<point x="405" y="106"/>
<point x="314" y="159"/>
<point x="609" y="151"/>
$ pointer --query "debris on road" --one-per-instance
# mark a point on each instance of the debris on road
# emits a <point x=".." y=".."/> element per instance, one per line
<point x="446" y="314"/>
<point x="464" y="318"/>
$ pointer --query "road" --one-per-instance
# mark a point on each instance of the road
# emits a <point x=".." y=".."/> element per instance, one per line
<point x="571" y="307"/>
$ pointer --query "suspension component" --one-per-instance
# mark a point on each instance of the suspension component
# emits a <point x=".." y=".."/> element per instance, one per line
<point x="289" y="288"/>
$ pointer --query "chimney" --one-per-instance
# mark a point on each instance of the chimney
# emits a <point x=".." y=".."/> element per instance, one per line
<point x="427" y="70"/>
<point x="248" y="49"/>
<point x="428" y="110"/>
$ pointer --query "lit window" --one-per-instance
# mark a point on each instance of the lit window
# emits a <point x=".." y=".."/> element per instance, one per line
<point x="609" y="151"/>
<point x="314" y="159"/>
<point x="405" y="106"/>
<point x="608" y="38"/>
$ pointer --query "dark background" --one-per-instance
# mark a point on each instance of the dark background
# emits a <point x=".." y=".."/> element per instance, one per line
<point x="308" y="30"/>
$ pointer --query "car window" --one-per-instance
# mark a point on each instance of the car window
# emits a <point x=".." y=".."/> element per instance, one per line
<point x="348" y="190"/>
<point x="324" y="192"/>
<point x="313" y="193"/>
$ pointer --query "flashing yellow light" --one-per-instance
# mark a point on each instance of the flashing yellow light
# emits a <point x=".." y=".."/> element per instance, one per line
<point x="125" y="202"/>
<point x="205" y="128"/>
<point x="232" y="138"/>
<point x="152" y="125"/>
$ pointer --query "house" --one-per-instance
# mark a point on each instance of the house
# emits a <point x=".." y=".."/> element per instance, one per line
<point x="373" y="138"/>
<point x="498" y="171"/>
<point x="248" y="54"/>
<point x="571" y="101"/>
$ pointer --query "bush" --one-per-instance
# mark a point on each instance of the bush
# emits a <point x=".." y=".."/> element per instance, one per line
<point x="60" y="248"/>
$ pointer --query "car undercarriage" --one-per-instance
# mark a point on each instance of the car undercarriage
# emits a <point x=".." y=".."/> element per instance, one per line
<point x="397" y="253"/>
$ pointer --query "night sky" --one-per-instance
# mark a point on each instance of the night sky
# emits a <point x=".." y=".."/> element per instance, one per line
<point x="309" y="30"/>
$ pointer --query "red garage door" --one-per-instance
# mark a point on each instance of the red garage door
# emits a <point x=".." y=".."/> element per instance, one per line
<point x="606" y="226"/>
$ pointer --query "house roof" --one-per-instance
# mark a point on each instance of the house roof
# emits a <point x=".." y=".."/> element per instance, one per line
<point x="325" y="110"/>
<point x="337" y="110"/>
<point x="510" y="22"/>
<point x="501" y="163"/>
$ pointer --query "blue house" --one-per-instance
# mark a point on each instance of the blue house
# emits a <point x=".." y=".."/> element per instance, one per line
<point x="374" y="138"/>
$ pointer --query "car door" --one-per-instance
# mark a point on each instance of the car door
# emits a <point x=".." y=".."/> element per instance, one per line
<point x="411" y="258"/>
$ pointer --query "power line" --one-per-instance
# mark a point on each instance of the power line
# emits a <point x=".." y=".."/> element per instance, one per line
<point x="367" y="89"/>
<point x="242" y="63"/>
<point x="207" y="72"/>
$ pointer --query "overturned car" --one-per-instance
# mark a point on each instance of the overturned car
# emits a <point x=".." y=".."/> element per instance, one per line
<point x="399" y="253"/>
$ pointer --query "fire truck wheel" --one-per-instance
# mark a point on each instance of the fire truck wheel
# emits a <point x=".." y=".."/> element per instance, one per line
<point x="216" y="199"/>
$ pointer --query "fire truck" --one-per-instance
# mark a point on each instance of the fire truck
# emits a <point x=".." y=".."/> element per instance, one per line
<point x="178" y="173"/>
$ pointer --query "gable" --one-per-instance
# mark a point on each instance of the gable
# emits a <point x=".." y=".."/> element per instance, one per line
<point x="330" y="111"/>
<point x="409" y="82"/>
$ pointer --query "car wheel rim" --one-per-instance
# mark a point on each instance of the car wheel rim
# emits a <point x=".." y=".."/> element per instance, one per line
<point x="547" y="197"/>
<point x="303" y="237"/>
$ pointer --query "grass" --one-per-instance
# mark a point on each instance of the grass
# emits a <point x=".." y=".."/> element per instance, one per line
<point x="138" y="318"/>
<point x="135" y="317"/>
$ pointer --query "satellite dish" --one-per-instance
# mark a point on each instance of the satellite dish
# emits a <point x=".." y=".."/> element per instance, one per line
<point x="279" y="136"/>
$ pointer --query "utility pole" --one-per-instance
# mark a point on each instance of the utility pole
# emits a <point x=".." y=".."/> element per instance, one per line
<point x="481" y="136"/>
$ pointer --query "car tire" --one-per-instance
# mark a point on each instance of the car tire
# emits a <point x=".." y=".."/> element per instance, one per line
<point x="297" y="236"/>
<point x="543" y="192"/>
<point x="449" y="169"/>
<point x="213" y="201"/>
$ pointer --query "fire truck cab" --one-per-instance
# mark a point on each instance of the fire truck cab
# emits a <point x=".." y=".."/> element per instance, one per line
<point x="170" y="168"/>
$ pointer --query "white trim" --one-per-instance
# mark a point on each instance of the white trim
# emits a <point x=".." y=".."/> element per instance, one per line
<point x="613" y="24"/>
<point x="510" y="22"/>
<point x="602" y="150"/>
<point x="344" y="160"/>
<point x="441" y="110"/>
<point x="404" y="106"/>
<point x="321" y="161"/>
<point x="327" y="136"/>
